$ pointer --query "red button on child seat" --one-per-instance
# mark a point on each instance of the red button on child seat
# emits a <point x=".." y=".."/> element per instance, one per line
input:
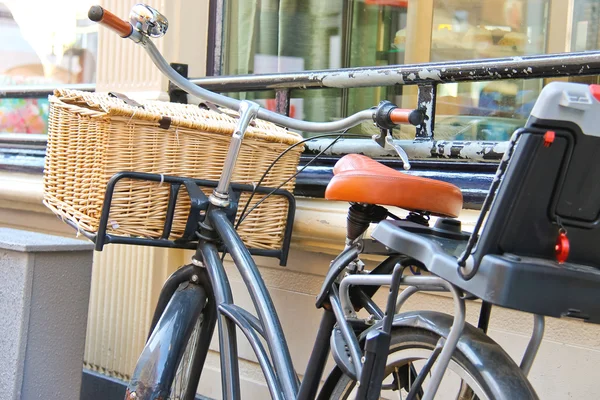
<point x="549" y="138"/>
<point x="595" y="91"/>
<point x="562" y="247"/>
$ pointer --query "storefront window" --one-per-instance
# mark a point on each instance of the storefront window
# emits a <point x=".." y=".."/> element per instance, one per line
<point x="586" y="25"/>
<point x="292" y="35"/>
<point x="267" y="36"/>
<point x="585" y="31"/>
<point x="473" y="29"/>
<point x="43" y="43"/>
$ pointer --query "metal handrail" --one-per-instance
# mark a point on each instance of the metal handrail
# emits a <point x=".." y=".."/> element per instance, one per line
<point x="34" y="141"/>
<point x="526" y="67"/>
<point x="39" y="91"/>
<point x="426" y="76"/>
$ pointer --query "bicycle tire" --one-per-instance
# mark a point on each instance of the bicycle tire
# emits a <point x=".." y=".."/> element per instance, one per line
<point x="170" y="354"/>
<point x="412" y="344"/>
<point x="185" y="385"/>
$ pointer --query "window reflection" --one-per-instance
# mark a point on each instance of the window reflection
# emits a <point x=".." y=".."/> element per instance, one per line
<point x="585" y="30"/>
<point x="473" y="29"/>
<point x="266" y="36"/>
<point x="43" y="43"/>
<point x="292" y="35"/>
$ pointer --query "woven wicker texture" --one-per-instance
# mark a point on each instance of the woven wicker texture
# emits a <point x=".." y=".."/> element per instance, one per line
<point x="93" y="136"/>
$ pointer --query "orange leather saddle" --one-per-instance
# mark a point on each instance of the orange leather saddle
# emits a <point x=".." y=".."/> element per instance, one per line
<point x="360" y="179"/>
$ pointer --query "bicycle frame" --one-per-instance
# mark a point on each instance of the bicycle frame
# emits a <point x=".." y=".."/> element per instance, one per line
<point x="208" y="271"/>
<point x="217" y="228"/>
<point x="275" y="361"/>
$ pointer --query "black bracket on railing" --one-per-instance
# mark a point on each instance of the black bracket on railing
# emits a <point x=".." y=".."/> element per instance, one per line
<point x="177" y="95"/>
<point x="426" y="101"/>
<point x="199" y="206"/>
<point x="282" y="101"/>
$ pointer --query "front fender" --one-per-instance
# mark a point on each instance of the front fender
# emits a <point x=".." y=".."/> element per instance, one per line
<point x="157" y="365"/>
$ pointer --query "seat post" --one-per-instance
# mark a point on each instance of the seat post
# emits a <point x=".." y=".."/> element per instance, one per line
<point x="357" y="222"/>
<point x="360" y="217"/>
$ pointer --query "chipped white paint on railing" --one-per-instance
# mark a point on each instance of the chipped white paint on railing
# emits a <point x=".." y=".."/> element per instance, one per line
<point x="416" y="149"/>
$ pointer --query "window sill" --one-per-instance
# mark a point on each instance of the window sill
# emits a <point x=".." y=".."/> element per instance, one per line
<point x="22" y="152"/>
<point x="319" y="226"/>
<point x="472" y="177"/>
<point x="469" y="165"/>
<point x="21" y="205"/>
<point x="22" y="191"/>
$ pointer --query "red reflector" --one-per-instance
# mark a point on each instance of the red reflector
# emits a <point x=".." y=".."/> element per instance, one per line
<point x="595" y="91"/>
<point x="549" y="138"/>
<point x="562" y="247"/>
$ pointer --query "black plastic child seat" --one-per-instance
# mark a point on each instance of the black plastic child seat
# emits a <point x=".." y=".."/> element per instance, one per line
<point x="551" y="185"/>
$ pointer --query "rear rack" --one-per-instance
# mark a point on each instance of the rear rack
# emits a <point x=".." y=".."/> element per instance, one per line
<point x="199" y="203"/>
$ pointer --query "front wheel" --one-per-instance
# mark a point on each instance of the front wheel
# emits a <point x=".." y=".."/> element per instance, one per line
<point x="170" y="364"/>
<point x="410" y="348"/>
<point x="185" y="383"/>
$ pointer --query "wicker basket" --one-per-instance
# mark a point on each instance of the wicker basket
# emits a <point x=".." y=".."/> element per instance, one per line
<point x="93" y="136"/>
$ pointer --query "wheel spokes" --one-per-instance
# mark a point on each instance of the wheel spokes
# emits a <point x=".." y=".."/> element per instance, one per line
<point x="404" y="377"/>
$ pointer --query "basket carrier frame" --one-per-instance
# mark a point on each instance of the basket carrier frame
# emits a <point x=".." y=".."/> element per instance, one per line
<point x="199" y="205"/>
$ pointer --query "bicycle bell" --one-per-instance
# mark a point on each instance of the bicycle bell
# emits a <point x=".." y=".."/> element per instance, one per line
<point x="148" y="21"/>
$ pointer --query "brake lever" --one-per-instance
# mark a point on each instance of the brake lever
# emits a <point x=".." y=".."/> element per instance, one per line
<point x="385" y="140"/>
<point x="390" y="145"/>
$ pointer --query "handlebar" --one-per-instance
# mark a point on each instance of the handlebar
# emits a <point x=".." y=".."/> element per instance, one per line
<point x="402" y="116"/>
<point x="110" y="20"/>
<point x="126" y="30"/>
<point x="234" y="104"/>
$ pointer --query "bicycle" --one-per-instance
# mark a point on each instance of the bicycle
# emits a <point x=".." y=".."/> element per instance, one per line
<point x="408" y="353"/>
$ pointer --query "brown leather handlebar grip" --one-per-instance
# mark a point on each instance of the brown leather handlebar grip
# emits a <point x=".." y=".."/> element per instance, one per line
<point x="400" y="116"/>
<point x="110" y="20"/>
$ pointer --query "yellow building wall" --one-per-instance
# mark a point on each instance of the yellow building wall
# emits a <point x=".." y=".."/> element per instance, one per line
<point x="126" y="280"/>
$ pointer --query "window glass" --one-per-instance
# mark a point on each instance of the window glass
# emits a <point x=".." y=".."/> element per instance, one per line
<point x="293" y="35"/>
<point x="585" y="31"/>
<point x="474" y="29"/>
<point x="43" y="43"/>
<point x="586" y="25"/>
<point x="372" y="40"/>
<point x="267" y="36"/>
